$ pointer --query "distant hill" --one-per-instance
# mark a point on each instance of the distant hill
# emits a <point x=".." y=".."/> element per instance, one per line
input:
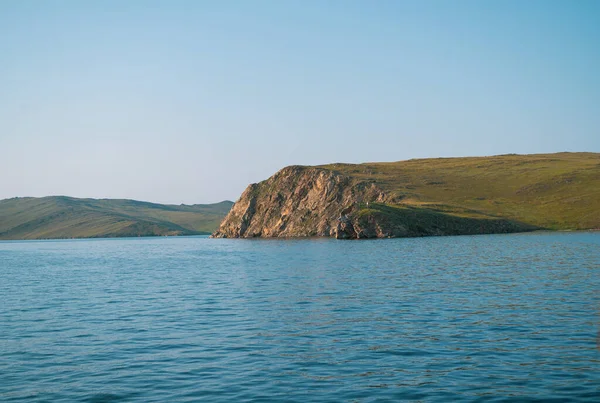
<point x="441" y="196"/>
<point x="67" y="217"/>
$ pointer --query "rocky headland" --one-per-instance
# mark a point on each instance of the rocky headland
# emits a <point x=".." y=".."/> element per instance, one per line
<point x="315" y="202"/>
<point x="442" y="196"/>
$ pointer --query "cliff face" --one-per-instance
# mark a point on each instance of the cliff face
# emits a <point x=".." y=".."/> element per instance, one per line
<point x="310" y="201"/>
<point x="298" y="202"/>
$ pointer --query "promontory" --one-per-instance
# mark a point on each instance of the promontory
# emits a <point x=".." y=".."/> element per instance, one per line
<point x="421" y="197"/>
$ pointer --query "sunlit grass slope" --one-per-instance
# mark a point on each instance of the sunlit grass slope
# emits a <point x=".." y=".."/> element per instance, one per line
<point x="67" y="217"/>
<point x="554" y="191"/>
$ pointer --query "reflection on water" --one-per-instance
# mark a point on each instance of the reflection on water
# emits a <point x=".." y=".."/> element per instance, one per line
<point x="504" y="317"/>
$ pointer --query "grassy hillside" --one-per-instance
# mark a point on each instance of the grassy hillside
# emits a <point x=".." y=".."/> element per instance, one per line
<point x="553" y="191"/>
<point x="67" y="217"/>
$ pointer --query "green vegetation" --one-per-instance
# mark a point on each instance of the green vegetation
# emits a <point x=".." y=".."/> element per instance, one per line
<point x="67" y="217"/>
<point x="553" y="191"/>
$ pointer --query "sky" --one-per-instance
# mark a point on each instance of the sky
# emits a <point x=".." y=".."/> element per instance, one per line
<point x="190" y="101"/>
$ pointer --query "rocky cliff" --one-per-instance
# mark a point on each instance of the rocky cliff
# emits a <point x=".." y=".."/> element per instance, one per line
<point x="311" y="201"/>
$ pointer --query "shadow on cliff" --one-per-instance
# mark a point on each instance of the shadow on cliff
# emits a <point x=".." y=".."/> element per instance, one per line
<point x="381" y="220"/>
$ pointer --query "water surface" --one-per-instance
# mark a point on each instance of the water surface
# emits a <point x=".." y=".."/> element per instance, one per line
<point x="472" y="318"/>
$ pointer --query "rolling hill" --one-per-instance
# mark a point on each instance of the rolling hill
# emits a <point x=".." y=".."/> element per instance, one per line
<point x="553" y="191"/>
<point x="67" y="217"/>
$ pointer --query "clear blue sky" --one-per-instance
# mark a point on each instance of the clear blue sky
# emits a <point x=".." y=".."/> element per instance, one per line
<point x="189" y="101"/>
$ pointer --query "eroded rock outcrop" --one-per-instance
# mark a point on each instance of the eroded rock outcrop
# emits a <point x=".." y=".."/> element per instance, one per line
<point x="299" y="202"/>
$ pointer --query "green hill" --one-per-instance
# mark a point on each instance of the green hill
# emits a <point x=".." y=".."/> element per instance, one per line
<point x="442" y="196"/>
<point x="553" y="191"/>
<point x="68" y="217"/>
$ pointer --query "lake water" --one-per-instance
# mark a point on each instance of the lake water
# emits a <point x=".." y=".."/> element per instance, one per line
<point x="471" y="318"/>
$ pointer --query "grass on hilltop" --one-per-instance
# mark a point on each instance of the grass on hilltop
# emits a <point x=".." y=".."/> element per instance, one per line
<point x="67" y="217"/>
<point x="553" y="191"/>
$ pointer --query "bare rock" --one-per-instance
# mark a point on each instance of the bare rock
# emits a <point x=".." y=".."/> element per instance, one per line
<point x="298" y="202"/>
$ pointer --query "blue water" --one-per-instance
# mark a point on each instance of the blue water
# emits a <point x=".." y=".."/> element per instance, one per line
<point x="482" y="318"/>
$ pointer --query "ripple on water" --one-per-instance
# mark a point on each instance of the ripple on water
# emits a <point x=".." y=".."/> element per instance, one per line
<point x="486" y="318"/>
